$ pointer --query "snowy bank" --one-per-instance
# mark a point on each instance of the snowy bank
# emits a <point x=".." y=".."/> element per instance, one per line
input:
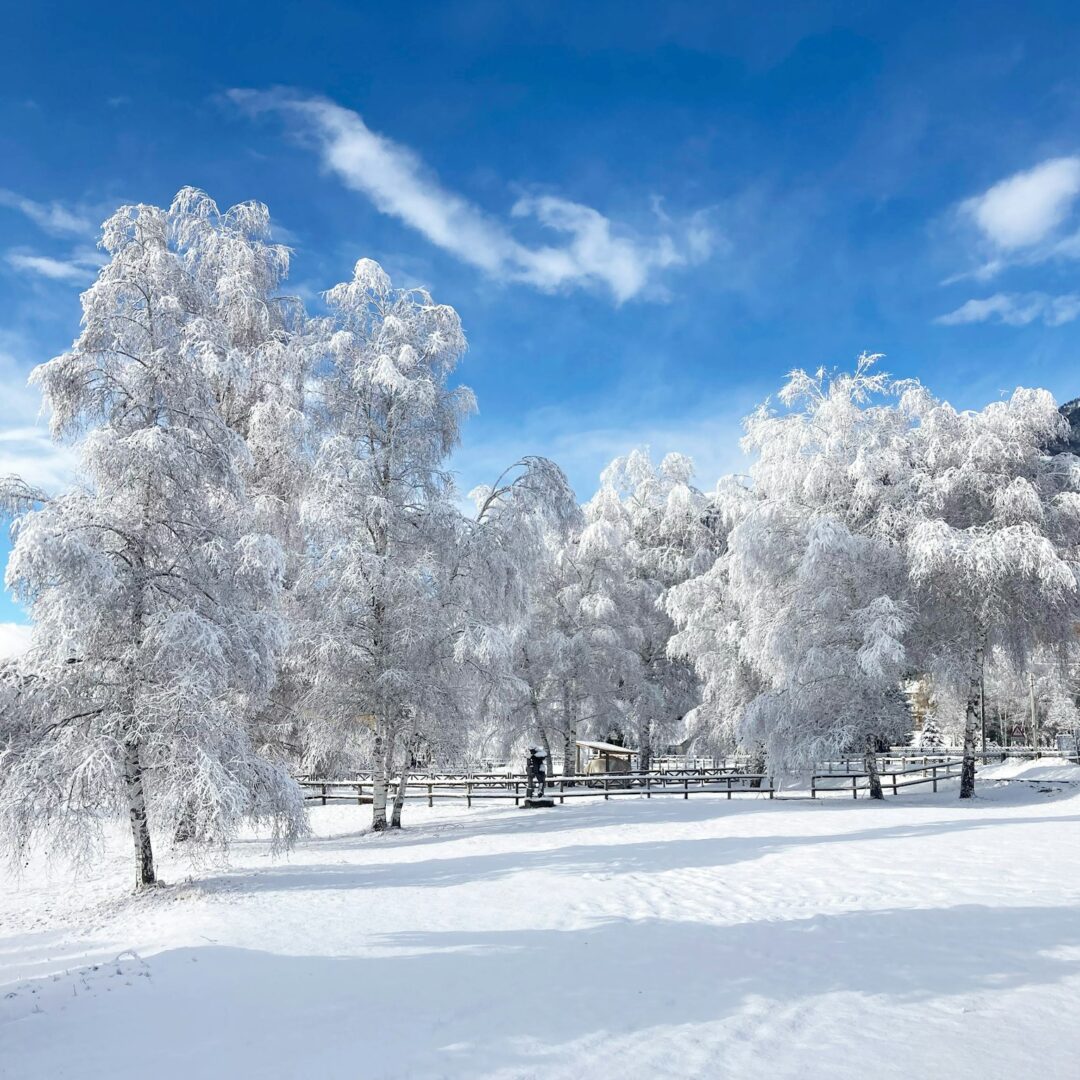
<point x="916" y="938"/>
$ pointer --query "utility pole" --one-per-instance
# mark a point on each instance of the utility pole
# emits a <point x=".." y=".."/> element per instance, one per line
<point x="1034" y="715"/>
<point x="982" y="703"/>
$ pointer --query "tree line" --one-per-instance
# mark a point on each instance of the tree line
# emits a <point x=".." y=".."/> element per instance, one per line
<point x="264" y="568"/>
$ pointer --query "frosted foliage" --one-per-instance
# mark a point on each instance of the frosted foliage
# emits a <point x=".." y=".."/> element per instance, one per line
<point x="415" y="607"/>
<point x="378" y="514"/>
<point x="658" y="529"/>
<point x="992" y="535"/>
<point x="572" y="655"/>
<point x="798" y="629"/>
<point x="153" y="592"/>
<point x="884" y="535"/>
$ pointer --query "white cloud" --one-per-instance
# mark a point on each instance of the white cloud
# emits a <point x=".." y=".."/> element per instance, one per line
<point x="1016" y="309"/>
<point x="78" y="269"/>
<point x="14" y="639"/>
<point x="1021" y="222"/>
<point x="1025" y="208"/>
<point x="52" y="217"/>
<point x="596" y="251"/>
<point x="26" y="449"/>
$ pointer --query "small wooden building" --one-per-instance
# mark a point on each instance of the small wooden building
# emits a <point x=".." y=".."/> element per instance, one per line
<point x="603" y="757"/>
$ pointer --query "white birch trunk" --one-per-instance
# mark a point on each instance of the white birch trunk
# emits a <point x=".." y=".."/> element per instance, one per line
<point x="379" y="779"/>
<point x="140" y="829"/>
<point x="399" y="797"/>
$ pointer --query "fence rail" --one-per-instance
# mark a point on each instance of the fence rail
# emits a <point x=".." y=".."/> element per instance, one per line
<point x="929" y="772"/>
<point x="606" y="786"/>
<point x="903" y="758"/>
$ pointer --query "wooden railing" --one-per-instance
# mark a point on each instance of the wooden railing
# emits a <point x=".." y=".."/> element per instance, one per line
<point x="931" y="771"/>
<point x="608" y="785"/>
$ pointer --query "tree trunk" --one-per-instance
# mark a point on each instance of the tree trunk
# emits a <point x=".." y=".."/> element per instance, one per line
<point x="645" y="745"/>
<point x="399" y="797"/>
<point x="870" y="764"/>
<point x="971" y="723"/>
<point x="569" y="766"/>
<point x="380" y="768"/>
<point x="140" y="829"/>
<point x="541" y="730"/>
<point x="546" y="743"/>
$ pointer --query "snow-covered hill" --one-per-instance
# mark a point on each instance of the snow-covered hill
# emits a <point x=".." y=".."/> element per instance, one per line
<point x="921" y="937"/>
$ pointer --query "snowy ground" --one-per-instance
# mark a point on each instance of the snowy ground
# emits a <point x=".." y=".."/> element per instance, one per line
<point x="708" y="938"/>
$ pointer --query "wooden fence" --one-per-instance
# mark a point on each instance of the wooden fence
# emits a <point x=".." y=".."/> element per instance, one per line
<point x="930" y="771"/>
<point x="501" y="786"/>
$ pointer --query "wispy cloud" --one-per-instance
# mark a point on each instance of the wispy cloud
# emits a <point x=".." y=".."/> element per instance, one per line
<point x="14" y="639"/>
<point x="1020" y="222"/>
<point x="594" y="251"/>
<point x="1025" y="208"/>
<point x="1016" y="309"/>
<point x="78" y="269"/>
<point x="26" y="449"/>
<point x="53" y="217"/>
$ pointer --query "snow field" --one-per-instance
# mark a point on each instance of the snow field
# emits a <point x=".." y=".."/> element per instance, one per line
<point x="707" y="938"/>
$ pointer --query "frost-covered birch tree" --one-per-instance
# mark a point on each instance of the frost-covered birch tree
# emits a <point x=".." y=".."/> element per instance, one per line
<point x="260" y="348"/>
<point x="411" y="605"/>
<point x="504" y="566"/>
<point x="151" y="590"/>
<point x="380" y="519"/>
<point x="706" y="612"/>
<point x="659" y="528"/>
<point x="812" y="582"/>
<point x="574" y="659"/>
<point x="993" y="534"/>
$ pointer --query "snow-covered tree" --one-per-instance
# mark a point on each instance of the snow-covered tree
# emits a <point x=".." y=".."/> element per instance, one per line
<point x="151" y="590"/>
<point x="710" y="632"/>
<point x="931" y="737"/>
<point x="411" y="605"/>
<point x="658" y="529"/>
<point x="505" y="566"/>
<point x="573" y="658"/>
<point x="992" y="532"/>
<point x="811" y="585"/>
<point x="380" y="518"/>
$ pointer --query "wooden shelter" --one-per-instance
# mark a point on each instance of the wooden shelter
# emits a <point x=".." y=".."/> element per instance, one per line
<point x="602" y="757"/>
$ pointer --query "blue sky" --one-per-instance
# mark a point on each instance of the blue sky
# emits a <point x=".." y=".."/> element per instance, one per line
<point x="645" y="215"/>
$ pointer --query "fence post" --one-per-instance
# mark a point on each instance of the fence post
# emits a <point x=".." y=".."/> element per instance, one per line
<point x="686" y="787"/>
<point x="933" y="776"/>
<point x="430" y="797"/>
<point x="894" y="783"/>
<point x="324" y="794"/>
<point x="854" y="785"/>
<point x="468" y="795"/>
